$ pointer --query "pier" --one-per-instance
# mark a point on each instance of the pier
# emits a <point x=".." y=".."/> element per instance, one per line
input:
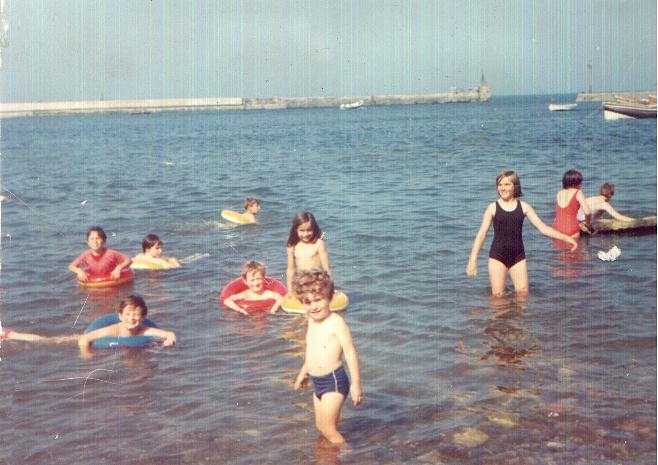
<point x="481" y="93"/>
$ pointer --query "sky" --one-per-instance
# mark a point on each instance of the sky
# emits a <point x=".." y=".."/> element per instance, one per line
<point x="140" y="49"/>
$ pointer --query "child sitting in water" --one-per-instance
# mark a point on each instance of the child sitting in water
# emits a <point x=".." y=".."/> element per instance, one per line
<point x="567" y="203"/>
<point x="601" y="203"/>
<point x="132" y="311"/>
<point x="305" y="247"/>
<point x="507" y="254"/>
<point x="327" y="338"/>
<point x="253" y="274"/>
<point x="151" y="256"/>
<point x="98" y="260"/>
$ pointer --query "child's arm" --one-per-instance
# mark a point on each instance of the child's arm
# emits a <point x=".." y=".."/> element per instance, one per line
<point x="125" y="262"/>
<point x="547" y="230"/>
<point x="472" y="265"/>
<point x="614" y="213"/>
<point x="85" y="340"/>
<point x="230" y="303"/>
<point x="14" y="336"/>
<point x="290" y="270"/>
<point x="168" y="337"/>
<point x="173" y="262"/>
<point x="580" y="197"/>
<point x="351" y="357"/>
<point x="301" y="376"/>
<point x="278" y="299"/>
<point x="324" y="256"/>
<point x="74" y="267"/>
<point x="249" y="217"/>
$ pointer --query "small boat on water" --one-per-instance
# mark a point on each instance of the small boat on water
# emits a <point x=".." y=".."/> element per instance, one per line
<point x="618" y="110"/>
<point x="646" y="225"/>
<point x="351" y="106"/>
<point x="562" y="106"/>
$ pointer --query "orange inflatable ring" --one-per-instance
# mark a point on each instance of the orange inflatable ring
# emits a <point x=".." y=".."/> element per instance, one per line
<point x="97" y="282"/>
<point x="252" y="306"/>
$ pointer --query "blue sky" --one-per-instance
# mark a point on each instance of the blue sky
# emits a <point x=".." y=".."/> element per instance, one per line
<point x="137" y="49"/>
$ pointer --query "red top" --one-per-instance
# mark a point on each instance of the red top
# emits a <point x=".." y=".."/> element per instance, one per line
<point x="99" y="266"/>
<point x="566" y="219"/>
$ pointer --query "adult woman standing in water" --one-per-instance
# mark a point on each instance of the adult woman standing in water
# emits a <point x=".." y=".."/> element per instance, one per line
<point x="507" y="255"/>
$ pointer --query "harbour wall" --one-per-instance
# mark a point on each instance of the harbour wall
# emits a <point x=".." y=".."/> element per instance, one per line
<point x="612" y="96"/>
<point x="11" y="110"/>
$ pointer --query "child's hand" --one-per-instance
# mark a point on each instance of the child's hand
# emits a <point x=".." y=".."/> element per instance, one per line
<point x="356" y="393"/>
<point x="170" y="340"/>
<point x="82" y="276"/>
<point x="300" y="381"/>
<point x="574" y="244"/>
<point x="471" y="269"/>
<point x="116" y="273"/>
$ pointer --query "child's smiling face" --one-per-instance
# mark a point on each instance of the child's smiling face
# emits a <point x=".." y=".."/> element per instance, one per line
<point x="506" y="188"/>
<point x="316" y="306"/>
<point x="254" y="281"/>
<point x="131" y="317"/>
<point x="95" y="241"/>
<point x="305" y="232"/>
<point x="155" y="251"/>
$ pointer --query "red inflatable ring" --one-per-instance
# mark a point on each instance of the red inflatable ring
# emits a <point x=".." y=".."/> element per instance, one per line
<point x="252" y="306"/>
<point x="96" y="282"/>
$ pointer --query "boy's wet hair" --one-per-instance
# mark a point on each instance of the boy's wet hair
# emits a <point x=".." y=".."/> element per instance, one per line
<point x="314" y="281"/>
<point x="99" y="231"/>
<point x="250" y="201"/>
<point x="299" y="219"/>
<point x="607" y="190"/>
<point x="571" y="179"/>
<point x="134" y="300"/>
<point x="149" y="241"/>
<point x="252" y="266"/>
<point x="514" y="178"/>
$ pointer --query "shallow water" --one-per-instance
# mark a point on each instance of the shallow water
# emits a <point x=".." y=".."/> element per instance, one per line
<point x="450" y="375"/>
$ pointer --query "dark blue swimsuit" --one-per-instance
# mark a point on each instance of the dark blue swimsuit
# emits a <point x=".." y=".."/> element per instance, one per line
<point x="336" y="381"/>
<point x="507" y="245"/>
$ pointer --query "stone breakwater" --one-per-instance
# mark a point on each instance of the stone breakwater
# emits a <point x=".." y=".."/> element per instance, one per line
<point x="612" y="96"/>
<point x="11" y="110"/>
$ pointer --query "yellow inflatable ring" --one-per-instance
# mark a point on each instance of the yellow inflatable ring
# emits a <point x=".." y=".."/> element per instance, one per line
<point x="137" y="265"/>
<point x="291" y="304"/>
<point x="234" y="217"/>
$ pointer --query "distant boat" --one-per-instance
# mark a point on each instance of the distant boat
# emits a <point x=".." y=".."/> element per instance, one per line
<point x="562" y="106"/>
<point x="351" y="106"/>
<point x="616" y="110"/>
<point x="138" y="112"/>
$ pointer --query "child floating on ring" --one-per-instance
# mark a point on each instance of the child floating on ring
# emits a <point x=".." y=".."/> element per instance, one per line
<point x="98" y="260"/>
<point x="151" y="256"/>
<point x="253" y="275"/>
<point x="328" y="338"/>
<point x="507" y="255"/>
<point x="131" y="314"/>
<point x="251" y="209"/>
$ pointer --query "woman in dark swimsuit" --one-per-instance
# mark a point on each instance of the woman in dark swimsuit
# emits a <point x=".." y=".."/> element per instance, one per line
<point x="507" y="254"/>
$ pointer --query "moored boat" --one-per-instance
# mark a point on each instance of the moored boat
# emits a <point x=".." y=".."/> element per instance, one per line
<point x="562" y="106"/>
<point x="616" y="110"/>
<point x="351" y="106"/>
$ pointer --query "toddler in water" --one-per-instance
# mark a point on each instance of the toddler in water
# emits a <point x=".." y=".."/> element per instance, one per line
<point x="328" y="338"/>
<point x="305" y="247"/>
<point x="567" y="203"/>
<point x="98" y="260"/>
<point x="152" y="255"/>
<point x="253" y="274"/>
<point x="507" y="254"/>
<point x="601" y="203"/>
<point x="132" y="311"/>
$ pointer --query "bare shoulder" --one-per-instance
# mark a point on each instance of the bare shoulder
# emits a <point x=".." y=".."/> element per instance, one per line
<point x="526" y="207"/>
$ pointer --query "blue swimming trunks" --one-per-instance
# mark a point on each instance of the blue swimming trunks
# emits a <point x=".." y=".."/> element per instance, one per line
<point x="336" y="381"/>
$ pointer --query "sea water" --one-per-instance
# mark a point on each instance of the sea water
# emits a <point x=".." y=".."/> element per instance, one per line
<point x="450" y="375"/>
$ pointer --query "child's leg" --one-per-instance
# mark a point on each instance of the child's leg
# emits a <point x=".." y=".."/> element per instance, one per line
<point x="327" y="414"/>
<point x="519" y="275"/>
<point x="497" y="275"/>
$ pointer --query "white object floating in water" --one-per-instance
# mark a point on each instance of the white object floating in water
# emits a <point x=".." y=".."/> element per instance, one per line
<point x="83" y="203"/>
<point x="609" y="256"/>
<point x="168" y="163"/>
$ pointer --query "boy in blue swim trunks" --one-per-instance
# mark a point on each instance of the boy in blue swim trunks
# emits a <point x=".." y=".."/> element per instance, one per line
<point x="327" y="338"/>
